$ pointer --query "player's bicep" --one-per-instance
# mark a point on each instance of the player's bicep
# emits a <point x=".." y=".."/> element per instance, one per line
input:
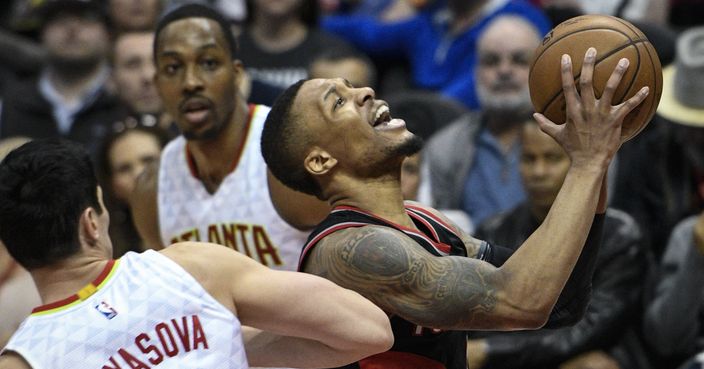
<point x="402" y="278"/>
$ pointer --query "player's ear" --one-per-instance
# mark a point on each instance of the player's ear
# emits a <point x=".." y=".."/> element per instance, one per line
<point x="319" y="161"/>
<point x="88" y="228"/>
<point x="238" y="70"/>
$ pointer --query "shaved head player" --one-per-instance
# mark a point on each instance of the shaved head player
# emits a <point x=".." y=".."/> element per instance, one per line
<point x="330" y="139"/>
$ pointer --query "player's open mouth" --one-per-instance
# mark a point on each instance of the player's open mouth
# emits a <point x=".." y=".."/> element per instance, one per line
<point x="382" y="119"/>
<point x="196" y="111"/>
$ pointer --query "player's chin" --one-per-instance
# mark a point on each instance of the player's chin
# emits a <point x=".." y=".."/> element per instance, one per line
<point x="411" y="144"/>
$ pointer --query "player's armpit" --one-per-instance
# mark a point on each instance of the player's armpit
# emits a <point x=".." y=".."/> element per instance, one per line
<point x="144" y="208"/>
<point x="11" y="360"/>
<point x="402" y="278"/>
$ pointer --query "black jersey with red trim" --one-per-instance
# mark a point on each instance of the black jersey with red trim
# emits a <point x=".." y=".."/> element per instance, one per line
<point x="415" y="347"/>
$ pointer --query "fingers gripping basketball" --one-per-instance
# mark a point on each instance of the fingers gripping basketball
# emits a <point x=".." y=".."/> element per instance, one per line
<point x="613" y="38"/>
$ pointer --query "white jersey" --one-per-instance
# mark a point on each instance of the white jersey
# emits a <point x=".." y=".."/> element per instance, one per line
<point x="143" y="311"/>
<point x="239" y="215"/>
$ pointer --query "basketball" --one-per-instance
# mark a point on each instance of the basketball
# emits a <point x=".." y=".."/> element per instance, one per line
<point x="613" y="38"/>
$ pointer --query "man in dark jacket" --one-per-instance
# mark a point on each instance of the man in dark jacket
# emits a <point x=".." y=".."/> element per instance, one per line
<point x="68" y="98"/>
<point x="617" y="277"/>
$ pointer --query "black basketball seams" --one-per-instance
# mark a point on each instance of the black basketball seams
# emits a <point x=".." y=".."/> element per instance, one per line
<point x="599" y="59"/>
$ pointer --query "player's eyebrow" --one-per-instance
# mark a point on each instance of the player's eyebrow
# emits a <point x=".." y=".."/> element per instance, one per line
<point x="331" y="90"/>
<point x="175" y="53"/>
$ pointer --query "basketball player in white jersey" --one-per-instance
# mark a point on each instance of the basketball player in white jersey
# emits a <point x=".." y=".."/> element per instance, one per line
<point x="212" y="183"/>
<point x="178" y="308"/>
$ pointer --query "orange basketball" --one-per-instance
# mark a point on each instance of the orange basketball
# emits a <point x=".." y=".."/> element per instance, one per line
<point x="613" y="38"/>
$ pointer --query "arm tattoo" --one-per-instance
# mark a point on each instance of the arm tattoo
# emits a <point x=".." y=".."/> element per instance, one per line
<point x="400" y="276"/>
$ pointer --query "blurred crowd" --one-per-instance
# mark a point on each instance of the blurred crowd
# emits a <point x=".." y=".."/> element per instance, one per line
<point x="457" y="72"/>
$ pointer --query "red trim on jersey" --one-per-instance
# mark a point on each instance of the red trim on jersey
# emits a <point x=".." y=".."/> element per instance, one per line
<point x="193" y="168"/>
<point x="327" y="231"/>
<point x="426" y="223"/>
<point x="433" y="216"/>
<point x="97" y="281"/>
<point x="439" y="246"/>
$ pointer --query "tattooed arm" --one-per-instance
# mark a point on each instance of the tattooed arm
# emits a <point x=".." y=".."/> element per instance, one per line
<point x="401" y="277"/>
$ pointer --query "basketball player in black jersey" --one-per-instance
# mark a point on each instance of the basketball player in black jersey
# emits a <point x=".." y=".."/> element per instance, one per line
<point x="327" y="138"/>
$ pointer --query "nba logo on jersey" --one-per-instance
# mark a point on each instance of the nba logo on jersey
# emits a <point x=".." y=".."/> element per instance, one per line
<point x="108" y="311"/>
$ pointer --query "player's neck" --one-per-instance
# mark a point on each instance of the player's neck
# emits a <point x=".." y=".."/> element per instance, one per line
<point x="215" y="159"/>
<point x="67" y="277"/>
<point x="381" y="197"/>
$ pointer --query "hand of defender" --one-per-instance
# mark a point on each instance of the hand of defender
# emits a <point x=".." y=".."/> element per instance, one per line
<point x="592" y="134"/>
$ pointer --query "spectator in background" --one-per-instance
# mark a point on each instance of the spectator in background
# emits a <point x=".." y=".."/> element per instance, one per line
<point x="18" y="294"/>
<point x="617" y="280"/>
<point x="663" y="180"/>
<point x="281" y="38"/>
<point x="674" y="319"/>
<point x="655" y="11"/>
<point x="346" y="63"/>
<point x="68" y="98"/>
<point x="439" y="43"/>
<point x="133" y="15"/>
<point x="673" y="188"/>
<point x="472" y="164"/>
<point x="122" y="158"/>
<point x="133" y="73"/>
<point x="685" y="14"/>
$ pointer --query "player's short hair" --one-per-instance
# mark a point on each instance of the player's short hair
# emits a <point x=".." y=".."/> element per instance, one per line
<point x="196" y="11"/>
<point x="45" y="185"/>
<point x="283" y="143"/>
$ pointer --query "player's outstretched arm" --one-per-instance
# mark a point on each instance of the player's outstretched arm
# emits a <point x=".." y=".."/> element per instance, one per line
<point x="461" y="293"/>
<point x="143" y="205"/>
<point x="317" y="323"/>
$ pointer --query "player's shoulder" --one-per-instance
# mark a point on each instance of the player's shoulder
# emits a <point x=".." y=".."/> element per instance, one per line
<point x="204" y="256"/>
<point x="425" y="209"/>
<point x="378" y="236"/>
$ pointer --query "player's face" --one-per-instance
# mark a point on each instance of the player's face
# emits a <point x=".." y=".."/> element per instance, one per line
<point x="543" y="166"/>
<point x="196" y="77"/>
<point x="351" y="69"/>
<point x="503" y="67"/>
<point x="351" y="124"/>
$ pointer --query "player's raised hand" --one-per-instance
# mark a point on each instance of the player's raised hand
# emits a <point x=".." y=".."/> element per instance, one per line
<point x="592" y="133"/>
